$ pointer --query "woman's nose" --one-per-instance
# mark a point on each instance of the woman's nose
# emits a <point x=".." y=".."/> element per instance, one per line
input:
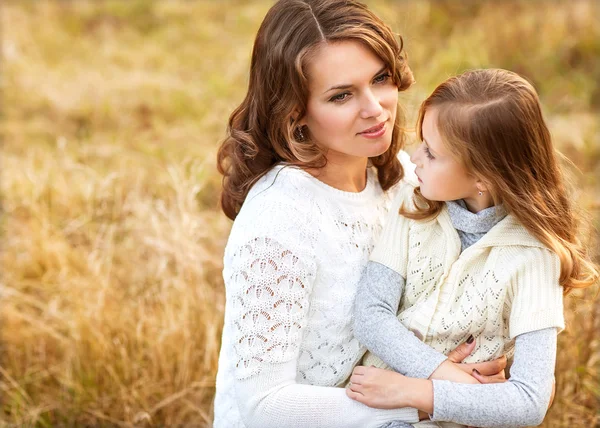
<point x="371" y="106"/>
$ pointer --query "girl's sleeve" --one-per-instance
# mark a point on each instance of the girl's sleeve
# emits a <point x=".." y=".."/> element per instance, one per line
<point x="379" y="292"/>
<point x="271" y="281"/>
<point x="521" y="401"/>
<point x="377" y="326"/>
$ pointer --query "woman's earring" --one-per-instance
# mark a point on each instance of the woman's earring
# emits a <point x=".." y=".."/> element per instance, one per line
<point x="300" y="134"/>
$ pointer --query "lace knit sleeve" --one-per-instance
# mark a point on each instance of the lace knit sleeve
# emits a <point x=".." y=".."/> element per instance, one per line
<point x="271" y="283"/>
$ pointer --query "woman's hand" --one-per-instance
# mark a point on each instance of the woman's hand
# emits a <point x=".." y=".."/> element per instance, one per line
<point x="384" y="389"/>
<point x="377" y="387"/>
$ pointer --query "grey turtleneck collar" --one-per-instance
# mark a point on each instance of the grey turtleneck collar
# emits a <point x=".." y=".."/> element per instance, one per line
<point x="472" y="226"/>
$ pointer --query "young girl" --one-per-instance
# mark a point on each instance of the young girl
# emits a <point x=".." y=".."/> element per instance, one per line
<point x="484" y="248"/>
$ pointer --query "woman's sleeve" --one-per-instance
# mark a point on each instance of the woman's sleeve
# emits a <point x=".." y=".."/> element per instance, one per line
<point x="271" y="282"/>
<point x="521" y="401"/>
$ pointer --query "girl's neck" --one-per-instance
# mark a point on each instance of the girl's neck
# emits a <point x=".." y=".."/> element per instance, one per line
<point x="348" y="174"/>
<point x="479" y="203"/>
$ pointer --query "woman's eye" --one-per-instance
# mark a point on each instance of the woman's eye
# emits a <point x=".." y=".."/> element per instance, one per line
<point x="340" y="97"/>
<point x="382" y="78"/>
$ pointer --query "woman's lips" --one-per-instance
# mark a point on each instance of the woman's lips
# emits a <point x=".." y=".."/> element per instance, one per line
<point x="374" y="132"/>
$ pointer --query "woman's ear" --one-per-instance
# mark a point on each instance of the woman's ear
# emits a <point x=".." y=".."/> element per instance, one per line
<point x="296" y="115"/>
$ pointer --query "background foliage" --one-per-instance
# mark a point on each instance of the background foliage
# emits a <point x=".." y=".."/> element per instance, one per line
<point x="112" y="111"/>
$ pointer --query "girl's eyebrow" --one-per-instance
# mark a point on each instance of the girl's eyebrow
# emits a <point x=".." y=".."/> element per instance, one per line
<point x="348" y="86"/>
<point x="429" y="147"/>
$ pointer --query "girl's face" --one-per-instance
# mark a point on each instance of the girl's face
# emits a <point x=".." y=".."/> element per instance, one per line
<point x="441" y="176"/>
<point x="352" y="103"/>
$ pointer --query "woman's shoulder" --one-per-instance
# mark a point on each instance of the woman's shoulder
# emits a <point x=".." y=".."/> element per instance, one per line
<point x="280" y="199"/>
<point x="282" y="188"/>
<point x="279" y="208"/>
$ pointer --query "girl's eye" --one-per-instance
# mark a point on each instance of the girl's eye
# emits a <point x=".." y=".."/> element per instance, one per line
<point x="382" y="78"/>
<point x="428" y="153"/>
<point x="339" y="97"/>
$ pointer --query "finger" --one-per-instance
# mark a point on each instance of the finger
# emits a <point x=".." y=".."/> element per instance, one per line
<point x="503" y="361"/>
<point x="553" y="393"/>
<point x="356" y="379"/>
<point x="359" y="370"/>
<point x="499" y="376"/>
<point x="486" y="379"/>
<point x="355" y="387"/>
<point x="354" y="395"/>
<point x="489" y="367"/>
<point x="462" y="351"/>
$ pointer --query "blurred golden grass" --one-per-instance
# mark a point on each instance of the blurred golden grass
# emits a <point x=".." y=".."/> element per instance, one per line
<point x="112" y="239"/>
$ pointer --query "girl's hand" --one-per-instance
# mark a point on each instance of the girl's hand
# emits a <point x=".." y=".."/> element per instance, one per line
<point x="491" y="370"/>
<point x="382" y="389"/>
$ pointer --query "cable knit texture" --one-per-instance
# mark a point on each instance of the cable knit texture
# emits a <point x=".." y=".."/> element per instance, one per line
<point x="291" y="269"/>
<point x="504" y="285"/>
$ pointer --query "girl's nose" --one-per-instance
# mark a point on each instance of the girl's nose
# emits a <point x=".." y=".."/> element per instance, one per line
<point x="416" y="156"/>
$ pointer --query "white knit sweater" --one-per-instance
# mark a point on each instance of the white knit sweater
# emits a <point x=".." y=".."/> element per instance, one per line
<point x="504" y="285"/>
<point x="291" y="269"/>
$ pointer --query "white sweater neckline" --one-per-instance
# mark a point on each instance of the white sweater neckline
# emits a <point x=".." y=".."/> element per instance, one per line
<point x="367" y="193"/>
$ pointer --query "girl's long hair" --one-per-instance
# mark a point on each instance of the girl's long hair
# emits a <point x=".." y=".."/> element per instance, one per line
<point x="491" y="121"/>
<point x="262" y="130"/>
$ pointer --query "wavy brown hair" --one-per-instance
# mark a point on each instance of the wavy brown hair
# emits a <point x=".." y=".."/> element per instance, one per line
<point x="262" y="131"/>
<point x="491" y="121"/>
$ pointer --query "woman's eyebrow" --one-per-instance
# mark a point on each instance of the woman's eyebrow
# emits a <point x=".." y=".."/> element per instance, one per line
<point x="348" y="86"/>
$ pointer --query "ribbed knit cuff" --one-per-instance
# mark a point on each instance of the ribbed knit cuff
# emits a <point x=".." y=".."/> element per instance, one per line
<point x="538" y="321"/>
<point x="405" y="414"/>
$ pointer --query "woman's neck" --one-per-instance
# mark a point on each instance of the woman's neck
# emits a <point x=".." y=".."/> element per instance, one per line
<point x="348" y="174"/>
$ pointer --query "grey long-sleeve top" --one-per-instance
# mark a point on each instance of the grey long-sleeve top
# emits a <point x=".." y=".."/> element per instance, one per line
<point x="521" y="401"/>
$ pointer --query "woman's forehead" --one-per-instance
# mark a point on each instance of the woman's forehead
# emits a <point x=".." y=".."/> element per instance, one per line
<point x="342" y="63"/>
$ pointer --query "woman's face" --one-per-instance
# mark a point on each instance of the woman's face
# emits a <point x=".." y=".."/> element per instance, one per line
<point x="352" y="103"/>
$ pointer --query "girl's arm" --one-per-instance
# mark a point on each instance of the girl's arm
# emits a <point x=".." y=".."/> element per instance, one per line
<point x="270" y="298"/>
<point x="377" y="327"/>
<point x="521" y="401"/>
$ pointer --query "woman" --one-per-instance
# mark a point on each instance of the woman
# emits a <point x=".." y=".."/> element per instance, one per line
<point x="309" y="169"/>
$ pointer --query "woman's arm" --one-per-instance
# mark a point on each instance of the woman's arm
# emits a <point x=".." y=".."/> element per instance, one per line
<point x="274" y="399"/>
<point x="521" y="401"/>
<point x="270" y="298"/>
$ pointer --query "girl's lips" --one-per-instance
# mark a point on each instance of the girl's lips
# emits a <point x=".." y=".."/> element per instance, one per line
<point x="375" y="131"/>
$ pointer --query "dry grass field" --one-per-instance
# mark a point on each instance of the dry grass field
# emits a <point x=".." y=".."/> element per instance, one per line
<point x="111" y="254"/>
